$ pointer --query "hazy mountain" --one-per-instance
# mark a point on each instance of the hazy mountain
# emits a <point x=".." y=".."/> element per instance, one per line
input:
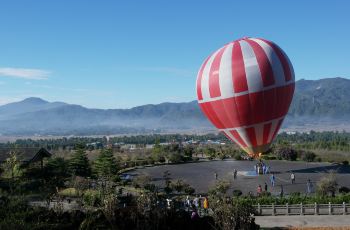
<point x="328" y="97"/>
<point x="28" y="105"/>
<point x="316" y="104"/>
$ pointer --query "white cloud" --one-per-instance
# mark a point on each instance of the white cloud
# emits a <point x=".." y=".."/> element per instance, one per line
<point x="33" y="74"/>
<point x="6" y="100"/>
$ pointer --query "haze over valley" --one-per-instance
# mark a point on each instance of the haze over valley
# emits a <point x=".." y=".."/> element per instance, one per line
<point x="317" y="105"/>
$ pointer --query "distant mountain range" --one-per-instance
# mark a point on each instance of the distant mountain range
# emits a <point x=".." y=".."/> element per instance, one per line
<point x="318" y="104"/>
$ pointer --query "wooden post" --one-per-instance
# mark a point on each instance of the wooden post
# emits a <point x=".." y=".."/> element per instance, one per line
<point x="344" y="208"/>
<point x="316" y="209"/>
<point x="301" y="209"/>
<point x="329" y="208"/>
<point x="273" y="209"/>
<point x="287" y="209"/>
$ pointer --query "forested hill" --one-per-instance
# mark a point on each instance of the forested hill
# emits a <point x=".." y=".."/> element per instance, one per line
<point x="321" y="105"/>
<point x="327" y="97"/>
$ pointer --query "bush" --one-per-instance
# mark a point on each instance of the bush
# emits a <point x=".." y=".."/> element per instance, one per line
<point x="195" y="158"/>
<point x="345" y="163"/>
<point x="175" y="157"/>
<point x="237" y="192"/>
<point x="91" y="198"/>
<point x="327" y="185"/>
<point x="268" y="157"/>
<point x="308" y="156"/>
<point x="237" y="156"/>
<point x="188" y="189"/>
<point x="344" y="189"/>
<point x="286" y="153"/>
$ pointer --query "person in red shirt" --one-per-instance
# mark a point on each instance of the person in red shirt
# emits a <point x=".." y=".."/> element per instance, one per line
<point x="259" y="190"/>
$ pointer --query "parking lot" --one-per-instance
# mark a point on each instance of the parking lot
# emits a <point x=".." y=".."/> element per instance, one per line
<point x="201" y="175"/>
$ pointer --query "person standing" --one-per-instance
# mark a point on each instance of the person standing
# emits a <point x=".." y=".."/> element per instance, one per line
<point x="309" y="186"/>
<point x="235" y="174"/>
<point x="265" y="187"/>
<point x="196" y="202"/>
<point x="216" y="176"/>
<point x="188" y="203"/>
<point x="292" y="178"/>
<point x="255" y="169"/>
<point x="259" y="190"/>
<point x="272" y="179"/>
<point x="206" y="205"/>
<point x="282" y="192"/>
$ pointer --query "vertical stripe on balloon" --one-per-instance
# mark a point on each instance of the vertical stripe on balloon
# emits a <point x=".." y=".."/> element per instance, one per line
<point x="251" y="135"/>
<point x="237" y="137"/>
<point x="251" y="67"/>
<point x="225" y="73"/>
<point x="277" y="128"/>
<point x="213" y="115"/>
<point x="275" y="62"/>
<point x="282" y="57"/>
<point x="205" y="76"/>
<point x="214" y="86"/>
<point x="199" y="80"/>
<point x="238" y="70"/>
<point x="267" y="128"/>
<point x="264" y="65"/>
<point x="259" y="132"/>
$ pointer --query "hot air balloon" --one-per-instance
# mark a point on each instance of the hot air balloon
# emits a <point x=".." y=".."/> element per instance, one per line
<point x="245" y="89"/>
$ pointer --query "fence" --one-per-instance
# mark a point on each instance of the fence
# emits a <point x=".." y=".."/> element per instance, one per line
<point x="303" y="209"/>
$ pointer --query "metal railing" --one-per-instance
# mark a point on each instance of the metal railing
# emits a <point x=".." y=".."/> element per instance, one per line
<point x="303" y="209"/>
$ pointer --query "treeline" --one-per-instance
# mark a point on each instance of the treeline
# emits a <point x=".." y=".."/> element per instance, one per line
<point x="313" y="140"/>
<point x="69" y="143"/>
<point x="316" y="140"/>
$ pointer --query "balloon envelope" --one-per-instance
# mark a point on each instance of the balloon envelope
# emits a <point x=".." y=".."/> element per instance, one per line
<point x="245" y="89"/>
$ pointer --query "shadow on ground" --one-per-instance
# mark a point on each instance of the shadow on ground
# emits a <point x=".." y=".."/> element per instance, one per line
<point x="325" y="169"/>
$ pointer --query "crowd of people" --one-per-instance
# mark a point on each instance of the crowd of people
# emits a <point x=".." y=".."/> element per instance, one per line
<point x="196" y="205"/>
<point x="261" y="168"/>
<point x="272" y="177"/>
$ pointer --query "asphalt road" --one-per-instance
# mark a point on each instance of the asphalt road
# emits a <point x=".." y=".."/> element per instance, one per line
<point x="328" y="222"/>
<point x="200" y="175"/>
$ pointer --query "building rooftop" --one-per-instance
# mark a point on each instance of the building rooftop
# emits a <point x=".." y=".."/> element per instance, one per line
<point x="24" y="154"/>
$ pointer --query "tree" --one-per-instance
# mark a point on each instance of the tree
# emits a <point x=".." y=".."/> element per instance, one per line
<point x="286" y="153"/>
<point x="327" y="185"/>
<point x="230" y="213"/>
<point x="12" y="166"/>
<point x="106" y="165"/>
<point x="12" y="169"/>
<point x="188" y="152"/>
<point x="220" y="188"/>
<point x="308" y="156"/>
<point x="167" y="188"/>
<point x="79" y="163"/>
<point x="157" y="152"/>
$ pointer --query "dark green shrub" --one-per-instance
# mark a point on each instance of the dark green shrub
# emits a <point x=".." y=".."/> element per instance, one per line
<point x="238" y="156"/>
<point x="286" y="153"/>
<point x="237" y="192"/>
<point x="188" y="189"/>
<point x="344" y="189"/>
<point x="308" y="156"/>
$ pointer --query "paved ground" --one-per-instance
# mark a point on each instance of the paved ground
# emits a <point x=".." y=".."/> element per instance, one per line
<point x="303" y="221"/>
<point x="201" y="175"/>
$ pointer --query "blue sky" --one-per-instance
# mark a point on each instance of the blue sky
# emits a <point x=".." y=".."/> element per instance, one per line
<point x="120" y="54"/>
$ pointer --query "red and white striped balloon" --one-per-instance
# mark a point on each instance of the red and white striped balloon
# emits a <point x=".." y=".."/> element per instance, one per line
<point x="245" y="89"/>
